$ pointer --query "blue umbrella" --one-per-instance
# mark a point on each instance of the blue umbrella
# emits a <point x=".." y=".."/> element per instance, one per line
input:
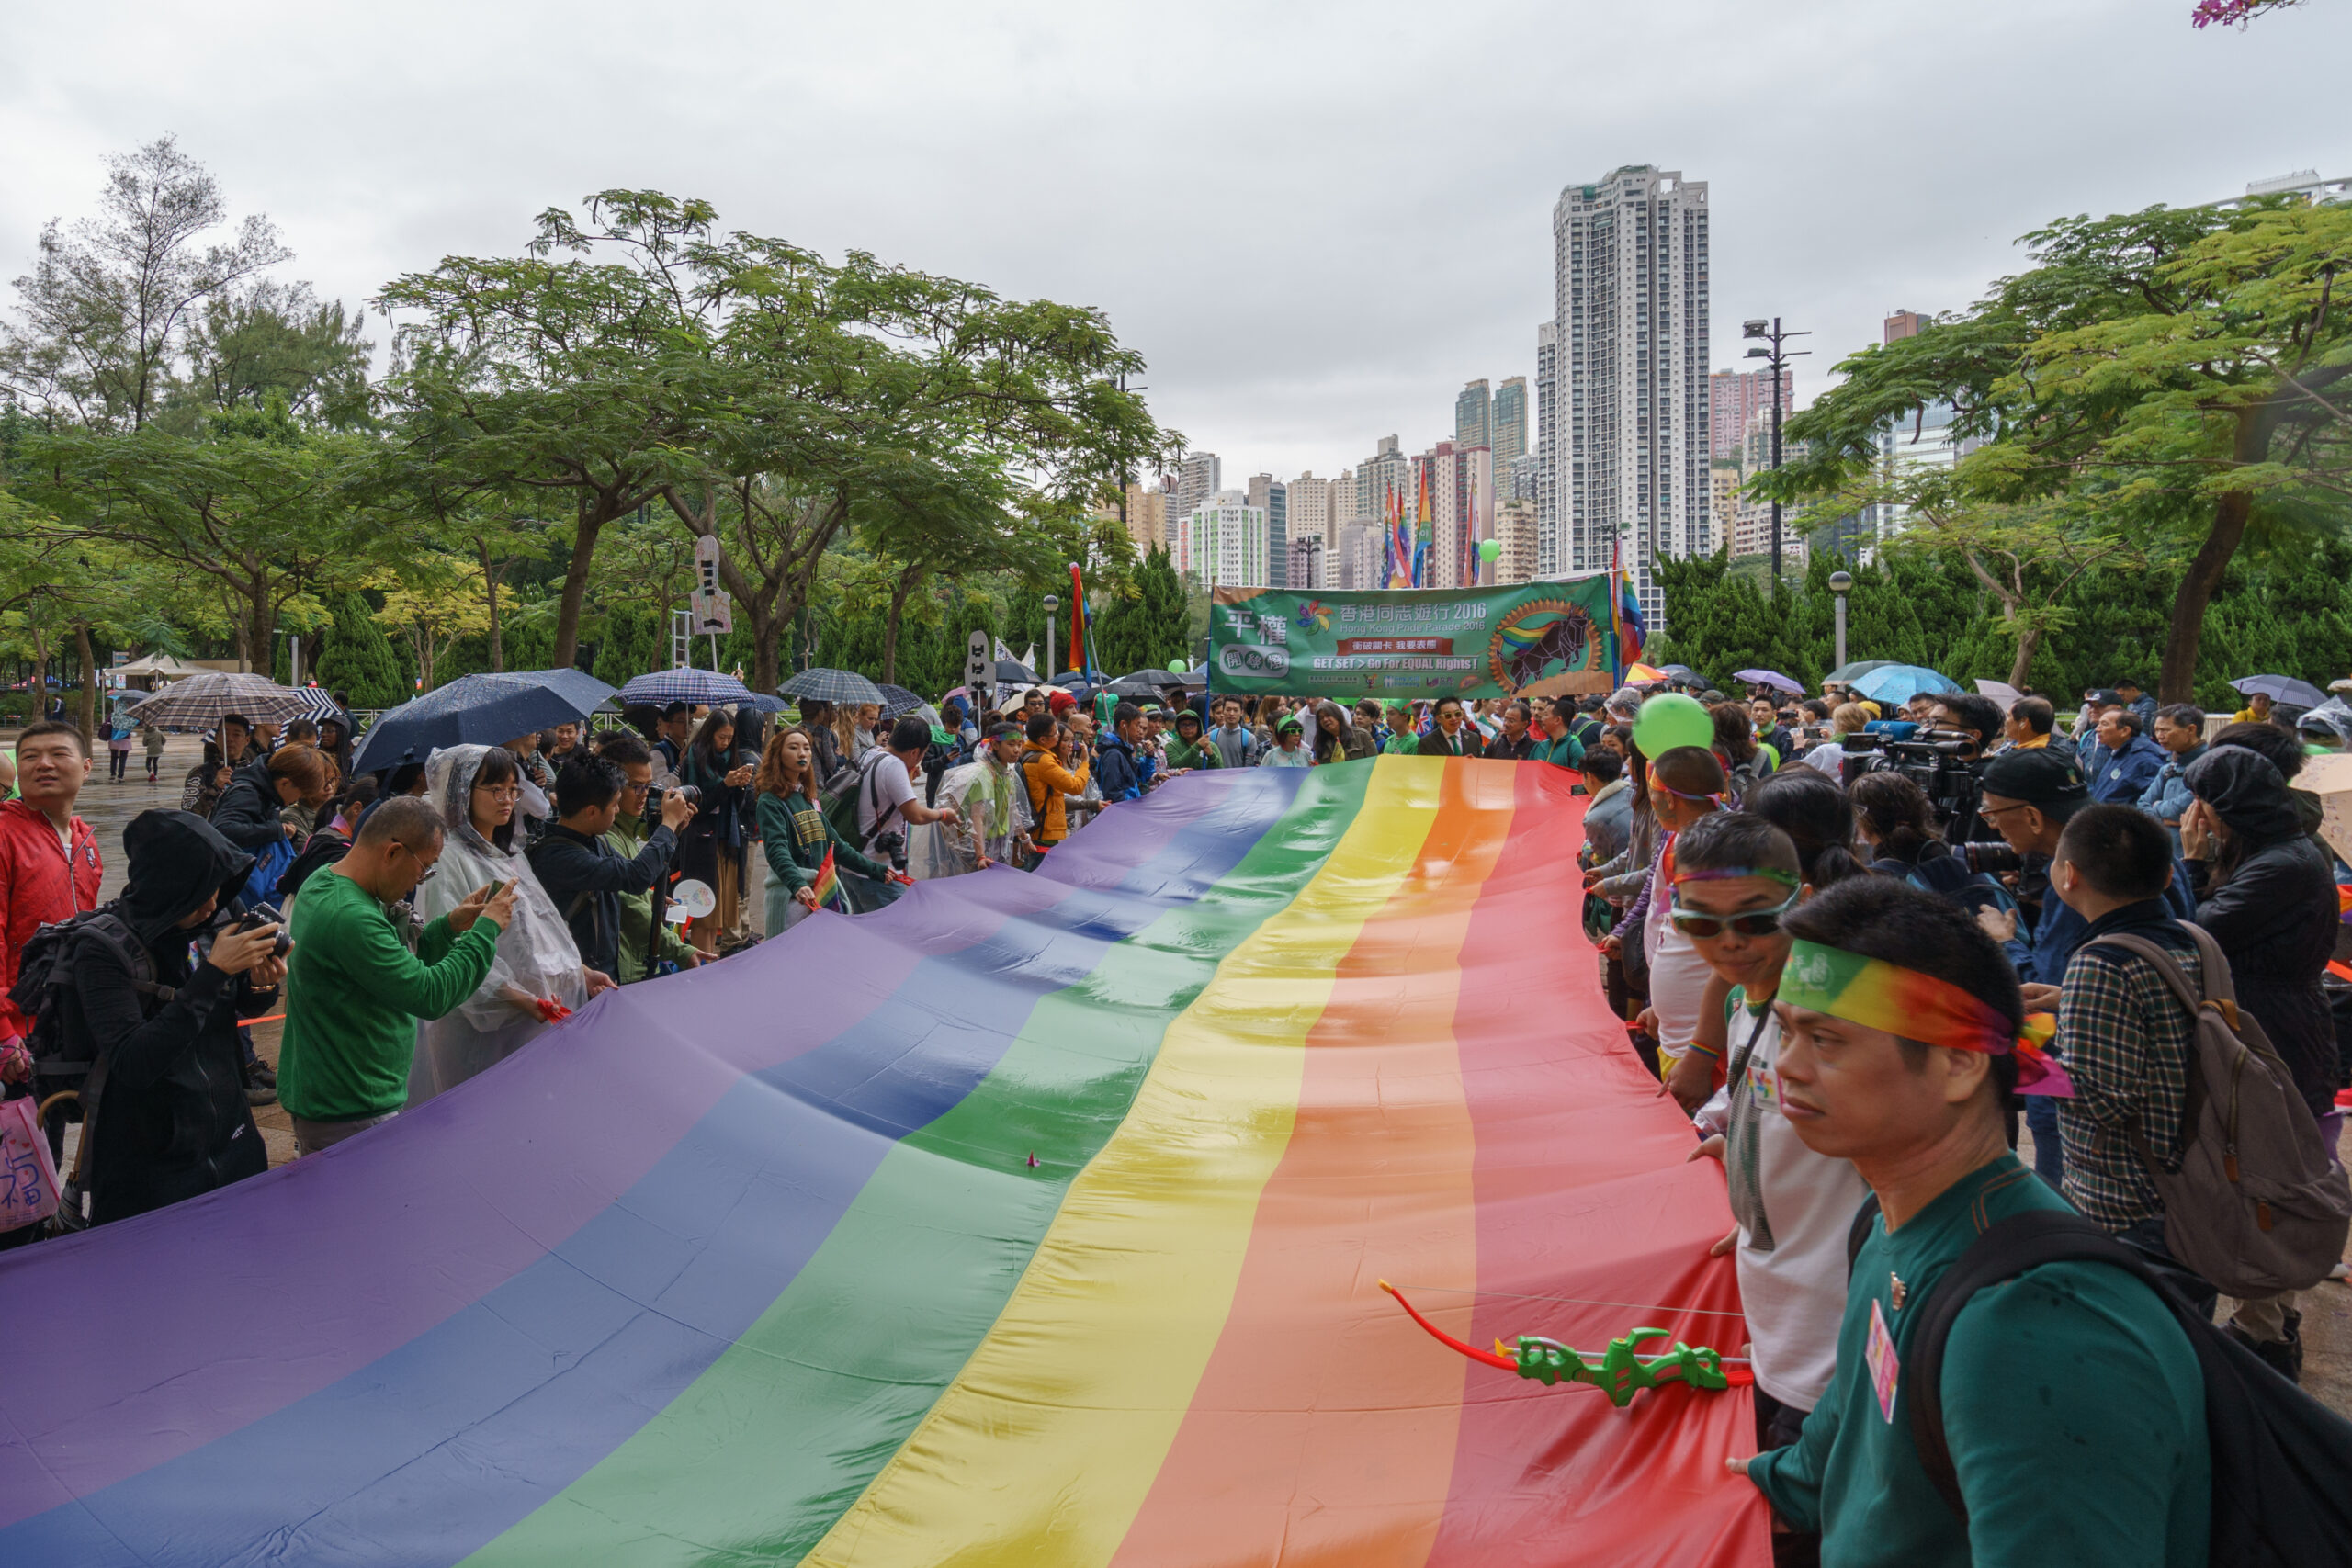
<point x="691" y="685"/>
<point x="1901" y="682"/>
<point x="480" y="710"/>
<point x="2281" y="689"/>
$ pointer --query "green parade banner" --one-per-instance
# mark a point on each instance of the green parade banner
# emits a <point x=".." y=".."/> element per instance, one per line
<point x="1531" y="640"/>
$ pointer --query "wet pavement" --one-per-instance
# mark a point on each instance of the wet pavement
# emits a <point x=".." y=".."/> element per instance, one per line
<point x="108" y="807"/>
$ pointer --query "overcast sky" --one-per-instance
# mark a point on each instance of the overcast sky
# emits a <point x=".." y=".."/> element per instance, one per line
<point x="1315" y="221"/>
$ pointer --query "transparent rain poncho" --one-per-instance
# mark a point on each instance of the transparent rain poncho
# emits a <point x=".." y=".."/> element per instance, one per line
<point x="536" y="957"/>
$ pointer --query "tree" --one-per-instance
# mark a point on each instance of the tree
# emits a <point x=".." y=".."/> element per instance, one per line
<point x="274" y="340"/>
<point x="760" y="390"/>
<point x="254" y="506"/>
<point x="432" y="604"/>
<point x="1146" y="632"/>
<point x="103" y="311"/>
<point x="356" y="659"/>
<point x="2174" y="376"/>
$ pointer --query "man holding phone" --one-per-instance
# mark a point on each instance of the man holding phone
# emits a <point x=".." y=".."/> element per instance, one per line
<point x="356" y="989"/>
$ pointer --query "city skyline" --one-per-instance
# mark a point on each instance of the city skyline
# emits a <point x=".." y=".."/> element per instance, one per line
<point x="1384" y="269"/>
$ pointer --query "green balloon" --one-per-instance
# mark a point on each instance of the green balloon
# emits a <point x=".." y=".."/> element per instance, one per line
<point x="1671" y="719"/>
<point x="1489" y="548"/>
<point x="1178" y="665"/>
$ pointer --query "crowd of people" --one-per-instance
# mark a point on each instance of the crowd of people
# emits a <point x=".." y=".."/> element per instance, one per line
<point x="1854" y="941"/>
<point x="1869" y="950"/>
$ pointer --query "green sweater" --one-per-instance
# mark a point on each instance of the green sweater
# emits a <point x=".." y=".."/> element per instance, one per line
<point x="1567" y="751"/>
<point x="627" y="836"/>
<point x="2073" y="1405"/>
<point x="353" y="995"/>
<point x="794" y="832"/>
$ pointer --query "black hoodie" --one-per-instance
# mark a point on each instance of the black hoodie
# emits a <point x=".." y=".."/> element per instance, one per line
<point x="173" y="1121"/>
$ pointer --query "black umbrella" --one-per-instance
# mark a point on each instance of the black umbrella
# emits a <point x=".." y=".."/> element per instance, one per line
<point x="479" y="710"/>
<point x="896" y="700"/>
<point x="1160" y="680"/>
<point x="1013" y="672"/>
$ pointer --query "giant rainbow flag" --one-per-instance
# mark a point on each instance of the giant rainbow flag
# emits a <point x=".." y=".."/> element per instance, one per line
<point x="1035" y="1219"/>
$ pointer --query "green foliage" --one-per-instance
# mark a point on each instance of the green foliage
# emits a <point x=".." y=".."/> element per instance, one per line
<point x="1148" y="630"/>
<point x="357" y="659"/>
<point x="2284" y="610"/>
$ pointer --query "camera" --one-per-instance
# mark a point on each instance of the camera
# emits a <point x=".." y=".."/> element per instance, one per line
<point x="1994" y="859"/>
<point x="655" y="795"/>
<point x="257" y="916"/>
<point x="1942" y="762"/>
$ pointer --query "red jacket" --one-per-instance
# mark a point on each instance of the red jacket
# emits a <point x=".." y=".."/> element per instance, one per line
<point x="38" y="884"/>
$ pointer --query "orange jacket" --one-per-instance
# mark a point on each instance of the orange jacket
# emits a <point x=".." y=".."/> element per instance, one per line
<point x="39" y="883"/>
<point x="1048" y="782"/>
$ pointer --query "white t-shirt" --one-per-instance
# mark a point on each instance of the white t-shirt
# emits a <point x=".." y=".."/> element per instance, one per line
<point x="882" y="787"/>
<point x="1829" y="757"/>
<point x="1793" y="1274"/>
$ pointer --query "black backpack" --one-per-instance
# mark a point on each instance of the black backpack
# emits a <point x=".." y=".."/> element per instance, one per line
<point x="2281" y="1460"/>
<point x="66" y="1059"/>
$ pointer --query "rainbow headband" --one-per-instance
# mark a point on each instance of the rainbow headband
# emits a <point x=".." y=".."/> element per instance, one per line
<point x="1879" y="994"/>
<point x="1734" y="874"/>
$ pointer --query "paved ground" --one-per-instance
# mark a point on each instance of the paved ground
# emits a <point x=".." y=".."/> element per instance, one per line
<point x="2327" y="1312"/>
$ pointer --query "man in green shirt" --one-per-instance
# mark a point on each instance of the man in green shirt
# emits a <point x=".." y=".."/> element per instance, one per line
<point x="1560" y="747"/>
<point x="354" y="989"/>
<point x="2073" y="1404"/>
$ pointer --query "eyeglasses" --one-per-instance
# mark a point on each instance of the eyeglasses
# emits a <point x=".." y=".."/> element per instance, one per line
<point x="502" y="792"/>
<point x="1754" y="923"/>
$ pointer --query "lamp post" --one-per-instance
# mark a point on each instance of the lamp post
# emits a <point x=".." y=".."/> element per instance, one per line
<point x="1052" y="603"/>
<point x="1839" y="583"/>
<point x="1777" y="359"/>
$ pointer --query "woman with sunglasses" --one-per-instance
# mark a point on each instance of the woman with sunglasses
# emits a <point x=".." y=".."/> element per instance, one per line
<point x="1736" y="875"/>
<point x="1685" y="784"/>
<point x="537" y="977"/>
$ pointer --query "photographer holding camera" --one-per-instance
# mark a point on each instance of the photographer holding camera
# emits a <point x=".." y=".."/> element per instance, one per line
<point x="165" y="1116"/>
<point x="1974" y="724"/>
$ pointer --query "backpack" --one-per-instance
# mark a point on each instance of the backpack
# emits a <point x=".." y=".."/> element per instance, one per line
<point x="66" y="1059"/>
<point x="2281" y="1460"/>
<point x="2255" y="1207"/>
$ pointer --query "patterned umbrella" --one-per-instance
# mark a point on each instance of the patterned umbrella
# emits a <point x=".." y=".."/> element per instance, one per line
<point x="691" y="685"/>
<point x="198" y="702"/>
<point x="839" y="687"/>
<point x="896" y="700"/>
<point x="481" y="710"/>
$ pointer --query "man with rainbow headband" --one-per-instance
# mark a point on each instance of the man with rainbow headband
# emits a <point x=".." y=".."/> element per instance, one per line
<point x="2072" y="1402"/>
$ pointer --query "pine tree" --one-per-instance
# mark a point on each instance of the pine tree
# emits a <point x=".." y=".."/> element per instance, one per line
<point x="356" y="659"/>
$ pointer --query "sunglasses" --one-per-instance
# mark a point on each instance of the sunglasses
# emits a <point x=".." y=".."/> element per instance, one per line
<point x="1755" y="923"/>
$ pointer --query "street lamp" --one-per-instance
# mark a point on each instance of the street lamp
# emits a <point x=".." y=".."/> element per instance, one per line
<point x="1052" y="603"/>
<point x="1777" y="360"/>
<point x="1839" y="583"/>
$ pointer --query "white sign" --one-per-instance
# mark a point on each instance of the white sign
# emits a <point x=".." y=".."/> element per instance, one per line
<point x="979" y="665"/>
<point x="713" y="611"/>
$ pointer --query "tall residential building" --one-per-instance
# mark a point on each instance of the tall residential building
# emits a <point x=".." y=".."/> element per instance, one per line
<point x="1724" y="478"/>
<point x="1147" y="517"/>
<point x="1271" y="496"/>
<point x="1902" y="324"/>
<point x="1547" y="419"/>
<point x="1922" y="440"/>
<point x="1461" y="484"/>
<point x="1629" y="427"/>
<point x="1752" y="520"/>
<point x="1515" y="481"/>
<point x="1472" y="416"/>
<point x="1515" y="531"/>
<point x="1225" y="543"/>
<point x="1306" y="563"/>
<point x="1309" y="513"/>
<point x="1387" y="473"/>
<point x="1733" y="394"/>
<point x="1198" y="477"/>
<point x="1345" y="509"/>
<point x="1508" y="422"/>
<point x="1360" y="556"/>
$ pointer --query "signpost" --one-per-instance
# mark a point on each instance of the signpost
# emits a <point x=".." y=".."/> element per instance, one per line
<point x="1533" y="639"/>
<point x="712" y="611"/>
<point x="979" y="671"/>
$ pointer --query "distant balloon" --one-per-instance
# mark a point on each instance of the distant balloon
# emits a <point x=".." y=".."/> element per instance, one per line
<point x="1178" y="665"/>
<point x="1489" y="548"/>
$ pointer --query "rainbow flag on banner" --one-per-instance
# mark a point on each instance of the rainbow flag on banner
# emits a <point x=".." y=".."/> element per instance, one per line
<point x="1042" y="1227"/>
<point x="828" y="883"/>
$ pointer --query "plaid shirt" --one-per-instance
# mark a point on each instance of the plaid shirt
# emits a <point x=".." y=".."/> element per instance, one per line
<point x="2125" y="1039"/>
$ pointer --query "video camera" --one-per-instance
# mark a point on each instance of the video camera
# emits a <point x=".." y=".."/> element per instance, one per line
<point x="1942" y="762"/>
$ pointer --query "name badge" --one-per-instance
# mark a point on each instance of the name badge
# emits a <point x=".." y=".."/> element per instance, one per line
<point x="1884" y="1369"/>
<point x="1764" y="1086"/>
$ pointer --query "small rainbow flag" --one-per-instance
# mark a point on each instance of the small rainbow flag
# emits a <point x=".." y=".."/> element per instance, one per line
<point x="829" y="882"/>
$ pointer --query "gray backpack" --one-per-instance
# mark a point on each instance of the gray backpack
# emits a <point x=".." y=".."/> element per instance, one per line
<point x="2255" y="1207"/>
